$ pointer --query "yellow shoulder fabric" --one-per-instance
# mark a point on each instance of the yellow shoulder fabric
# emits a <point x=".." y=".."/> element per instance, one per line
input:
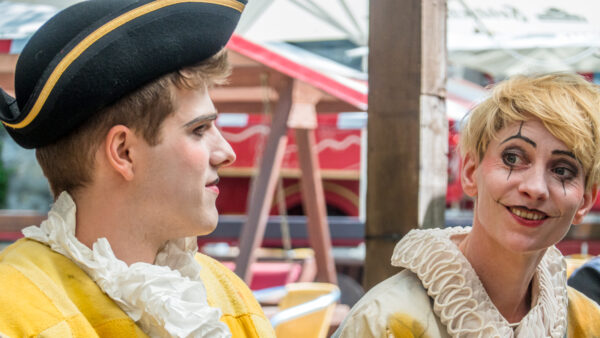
<point x="44" y="293"/>
<point x="584" y="316"/>
<point x="225" y="290"/>
<point x="402" y="325"/>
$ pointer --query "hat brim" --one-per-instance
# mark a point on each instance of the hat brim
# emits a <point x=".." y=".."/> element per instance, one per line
<point x="116" y="55"/>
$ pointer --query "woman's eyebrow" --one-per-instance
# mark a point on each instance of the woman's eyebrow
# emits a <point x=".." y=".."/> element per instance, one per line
<point x="564" y="152"/>
<point x="524" y="138"/>
<point x="519" y="136"/>
<point x="199" y="119"/>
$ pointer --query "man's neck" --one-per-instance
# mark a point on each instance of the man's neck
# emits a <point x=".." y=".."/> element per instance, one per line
<point x="114" y="219"/>
<point x="506" y="276"/>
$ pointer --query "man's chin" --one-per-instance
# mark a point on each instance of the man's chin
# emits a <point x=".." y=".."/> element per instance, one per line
<point x="208" y="230"/>
<point x="208" y="227"/>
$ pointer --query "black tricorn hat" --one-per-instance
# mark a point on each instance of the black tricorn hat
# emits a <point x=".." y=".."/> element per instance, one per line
<point x="93" y="53"/>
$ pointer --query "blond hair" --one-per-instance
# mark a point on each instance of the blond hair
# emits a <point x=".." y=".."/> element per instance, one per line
<point x="68" y="164"/>
<point x="567" y="105"/>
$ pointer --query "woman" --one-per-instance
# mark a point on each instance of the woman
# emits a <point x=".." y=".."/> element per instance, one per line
<point x="531" y="163"/>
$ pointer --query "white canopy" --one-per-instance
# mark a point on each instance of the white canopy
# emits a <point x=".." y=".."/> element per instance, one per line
<point x="498" y="37"/>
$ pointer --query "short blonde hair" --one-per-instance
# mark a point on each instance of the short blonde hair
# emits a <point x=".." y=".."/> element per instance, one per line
<point x="68" y="163"/>
<point x="567" y="104"/>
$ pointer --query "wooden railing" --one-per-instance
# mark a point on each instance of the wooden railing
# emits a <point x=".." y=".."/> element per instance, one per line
<point x="12" y="221"/>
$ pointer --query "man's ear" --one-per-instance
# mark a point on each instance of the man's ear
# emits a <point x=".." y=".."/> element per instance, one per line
<point x="589" y="198"/>
<point x="117" y="149"/>
<point x="467" y="175"/>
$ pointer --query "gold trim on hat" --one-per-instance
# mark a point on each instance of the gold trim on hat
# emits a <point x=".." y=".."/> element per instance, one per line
<point x="95" y="36"/>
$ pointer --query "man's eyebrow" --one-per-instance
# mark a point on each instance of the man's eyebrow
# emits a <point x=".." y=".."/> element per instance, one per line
<point x="519" y="136"/>
<point x="200" y="119"/>
<point x="564" y="152"/>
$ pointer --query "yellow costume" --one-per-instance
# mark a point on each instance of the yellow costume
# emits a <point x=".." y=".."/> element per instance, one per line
<point x="52" y="285"/>
<point x="44" y="293"/>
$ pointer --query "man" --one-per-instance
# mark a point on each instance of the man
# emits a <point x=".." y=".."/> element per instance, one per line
<point x="113" y="96"/>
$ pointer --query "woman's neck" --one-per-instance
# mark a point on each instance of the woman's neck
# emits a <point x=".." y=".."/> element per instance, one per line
<point x="506" y="276"/>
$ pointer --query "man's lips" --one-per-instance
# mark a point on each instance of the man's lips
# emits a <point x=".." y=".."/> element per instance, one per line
<point x="212" y="186"/>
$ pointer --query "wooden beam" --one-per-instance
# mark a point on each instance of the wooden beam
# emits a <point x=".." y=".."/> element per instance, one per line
<point x="236" y="60"/>
<point x="16" y="220"/>
<point x="407" y="128"/>
<point x="254" y="107"/>
<point x="243" y="94"/>
<point x="246" y="76"/>
<point x="261" y="192"/>
<point x="313" y="200"/>
<point x="303" y="118"/>
<point x="328" y="174"/>
<point x="433" y="177"/>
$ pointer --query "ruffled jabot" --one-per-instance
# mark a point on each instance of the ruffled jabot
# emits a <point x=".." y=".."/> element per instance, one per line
<point x="459" y="298"/>
<point x="166" y="299"/>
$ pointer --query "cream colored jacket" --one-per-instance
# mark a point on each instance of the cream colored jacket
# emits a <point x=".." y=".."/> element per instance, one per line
<point x="439" y="295"/>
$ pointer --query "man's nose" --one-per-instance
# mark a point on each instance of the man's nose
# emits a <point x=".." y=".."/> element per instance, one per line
<point x="222" y="155"/>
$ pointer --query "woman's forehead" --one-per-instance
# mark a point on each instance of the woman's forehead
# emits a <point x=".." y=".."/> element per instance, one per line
<point x="531" y="131"/>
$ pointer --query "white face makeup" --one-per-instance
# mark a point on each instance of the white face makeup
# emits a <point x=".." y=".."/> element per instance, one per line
<point x="529" y="188"/>
<point x="179" y="175"/>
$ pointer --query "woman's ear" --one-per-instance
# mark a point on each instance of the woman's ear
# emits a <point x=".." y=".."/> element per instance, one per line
<point x="467" y="175"/>
<point x="589" y="198"/>
<point x="117" y="149"/>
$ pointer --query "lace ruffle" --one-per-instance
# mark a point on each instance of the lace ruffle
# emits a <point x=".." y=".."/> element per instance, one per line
<point x="459" y="298"/>
<point x="166" y="299"/>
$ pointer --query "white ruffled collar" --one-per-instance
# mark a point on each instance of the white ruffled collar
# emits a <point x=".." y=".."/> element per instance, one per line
<point x="166" y="299"/>
<point x="459" y="298"/>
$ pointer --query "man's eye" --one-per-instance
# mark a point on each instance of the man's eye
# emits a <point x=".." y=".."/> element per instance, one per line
<point x="201" y="129"/>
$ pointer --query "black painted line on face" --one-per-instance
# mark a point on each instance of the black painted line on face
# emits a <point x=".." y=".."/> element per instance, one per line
<point x="520" y="136"/>
<point x="571" y="155"/>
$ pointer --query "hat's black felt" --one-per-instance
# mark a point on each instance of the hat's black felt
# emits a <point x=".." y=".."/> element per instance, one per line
<point x="95" y="52"/>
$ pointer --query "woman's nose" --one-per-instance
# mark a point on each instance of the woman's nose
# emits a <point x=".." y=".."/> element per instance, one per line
<point x="533" y="183"/>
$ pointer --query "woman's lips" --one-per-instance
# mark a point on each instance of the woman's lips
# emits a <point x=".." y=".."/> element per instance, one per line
<point x="527" y="217"/>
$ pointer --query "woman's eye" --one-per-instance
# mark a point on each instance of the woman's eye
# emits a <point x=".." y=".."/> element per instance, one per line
<point x="510" y="159"/>
<point x="564" y="172"/>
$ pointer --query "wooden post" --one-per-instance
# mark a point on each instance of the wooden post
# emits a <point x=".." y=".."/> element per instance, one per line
<point x="261" y="193"/>
<point x="407" y="129"/>
<point x="295" y="109"/>
<point x="303" y="118"/>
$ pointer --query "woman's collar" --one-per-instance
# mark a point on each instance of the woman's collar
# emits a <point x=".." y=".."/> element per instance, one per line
<point x="459" y="298"/>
